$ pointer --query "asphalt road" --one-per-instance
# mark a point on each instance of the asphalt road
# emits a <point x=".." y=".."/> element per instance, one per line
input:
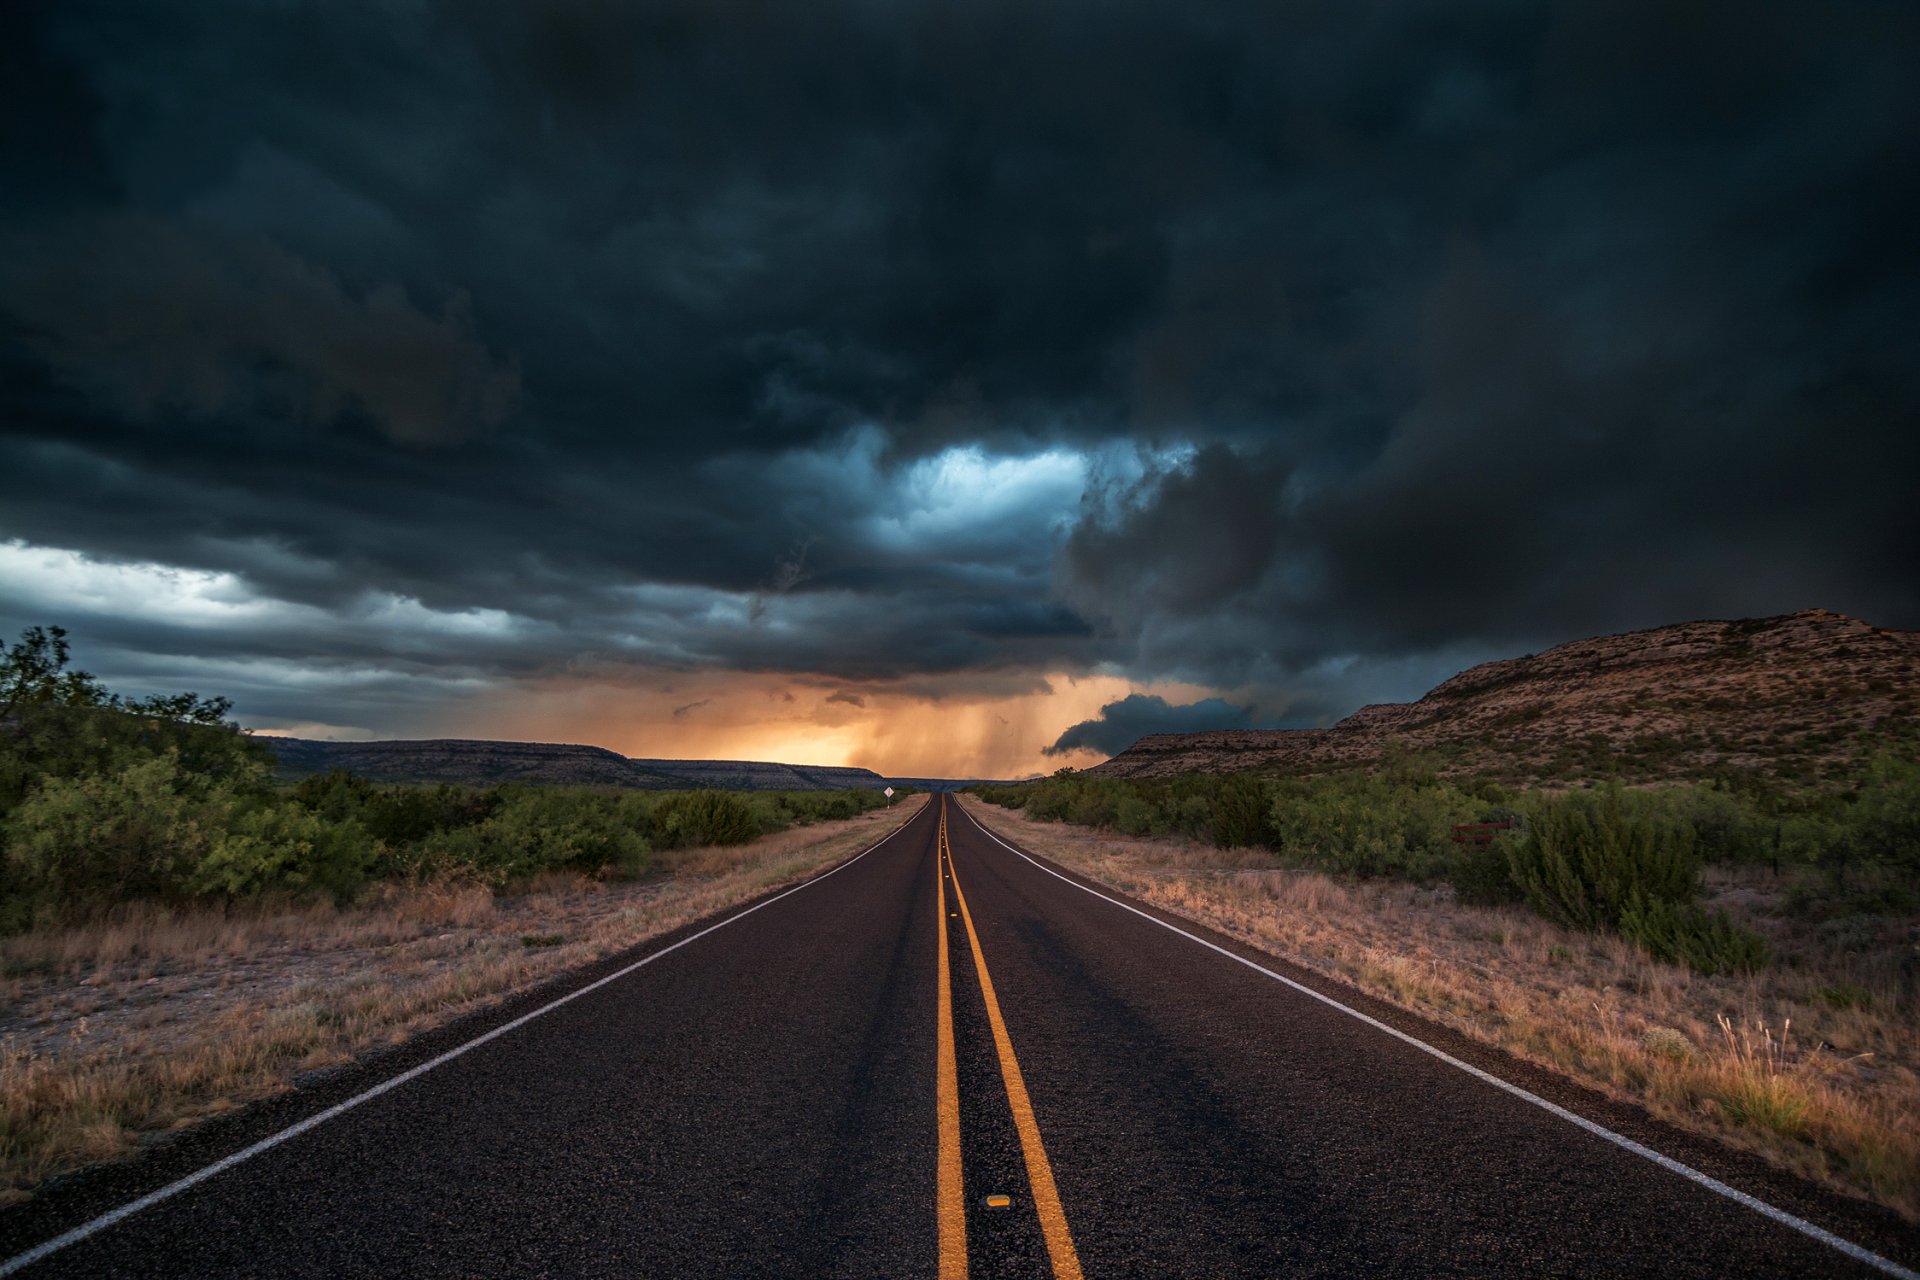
<point x="798" y="1092"/>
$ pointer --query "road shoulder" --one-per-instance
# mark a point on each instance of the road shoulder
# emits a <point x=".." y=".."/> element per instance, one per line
<point x="1085" y="858"/>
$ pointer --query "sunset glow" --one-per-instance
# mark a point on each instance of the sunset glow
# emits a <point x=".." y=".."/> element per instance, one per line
<point x="898" y="731"/>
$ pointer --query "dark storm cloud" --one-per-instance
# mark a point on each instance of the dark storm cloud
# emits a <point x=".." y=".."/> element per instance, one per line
<point x="155" y="321"/>
<point x="1255" y="345"/>
<point x="1123" y="722"/>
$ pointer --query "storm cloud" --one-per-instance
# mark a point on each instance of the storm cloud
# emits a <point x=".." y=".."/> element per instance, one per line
<point x="354" y="362"/>
<point x="1123" y="722"/>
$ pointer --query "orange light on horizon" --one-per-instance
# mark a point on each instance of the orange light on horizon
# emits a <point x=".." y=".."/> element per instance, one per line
<point x="902" y="730"/>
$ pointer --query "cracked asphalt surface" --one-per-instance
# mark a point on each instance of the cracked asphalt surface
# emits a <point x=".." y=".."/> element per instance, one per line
<point x="761" y="1102"/>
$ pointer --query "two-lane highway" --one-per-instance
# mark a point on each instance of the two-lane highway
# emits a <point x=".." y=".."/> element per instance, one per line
<point x="948" y="1058"/>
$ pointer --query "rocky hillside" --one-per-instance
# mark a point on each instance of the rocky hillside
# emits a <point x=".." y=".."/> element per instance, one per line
<point x="482" y="763"/>
<point x="1797" y="696"/>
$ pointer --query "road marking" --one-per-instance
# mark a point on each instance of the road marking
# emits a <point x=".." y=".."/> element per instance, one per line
<point x="1046" y="1197"/>
<point x="1859" y="1253"/>
<point x="950" y="1198"/>
<point x="23" y="1260"/>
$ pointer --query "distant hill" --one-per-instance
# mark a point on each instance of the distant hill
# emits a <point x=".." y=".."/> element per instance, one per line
<point x="753" y="775"/>
<point x="1795" y="696"/>
<point x="477" y="763"/>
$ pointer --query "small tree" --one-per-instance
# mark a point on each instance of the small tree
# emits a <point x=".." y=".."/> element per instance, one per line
<point x="57" y="722"/>
<point x="34" y="673"/>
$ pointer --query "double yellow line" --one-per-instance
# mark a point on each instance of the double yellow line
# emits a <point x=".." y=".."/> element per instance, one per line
<point x="950" y="1198"/>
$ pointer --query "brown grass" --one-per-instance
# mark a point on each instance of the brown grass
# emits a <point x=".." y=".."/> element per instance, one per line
<point x="1814" y="1063"/>
<point x="118" y="1033"/>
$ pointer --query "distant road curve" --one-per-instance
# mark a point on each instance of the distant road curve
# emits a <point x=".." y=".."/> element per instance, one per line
<point x="946" y="1057"/>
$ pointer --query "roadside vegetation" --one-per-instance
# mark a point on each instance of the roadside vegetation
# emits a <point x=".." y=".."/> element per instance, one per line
<point x="180" y="932"/>
<point x="1623" y="860"/>
<point x="1740" y="956"/>
<point x="106" y="801"/>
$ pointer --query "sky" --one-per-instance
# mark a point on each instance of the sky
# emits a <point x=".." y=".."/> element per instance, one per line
<point x="949" y="389"/>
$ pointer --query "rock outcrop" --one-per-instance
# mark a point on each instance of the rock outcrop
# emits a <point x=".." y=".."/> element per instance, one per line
<point x="1794" y="695"/>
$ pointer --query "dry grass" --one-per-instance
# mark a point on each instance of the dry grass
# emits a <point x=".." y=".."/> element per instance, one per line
<point x="1813" y="1063"/>
<point x="118" y="1033"/>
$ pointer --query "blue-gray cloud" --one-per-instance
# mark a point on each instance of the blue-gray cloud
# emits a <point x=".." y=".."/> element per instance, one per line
<point x="1247" y="346"/>
<point x="1120" y="724"/>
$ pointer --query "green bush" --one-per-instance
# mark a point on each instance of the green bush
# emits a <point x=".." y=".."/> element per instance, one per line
<point x="797" y="808"/>
<point x="1395" y="822"/>
<point x="104" y="798"/>
<point x="1134" y="816"/>
<point x="1584" y="859"/>
<point x="1372" y="824"/>
<point x="1682" y="933"/>
<point x="396" y="815"/>
<point x="1240" y="809"/>
<point x="156" y="830"/>
<point x="1727" y="827"/>
<point x="693" y="818"/>
<point x="79" y="844"/>
<point x="283" y="848"/>
<point x="1481" y="877"/>
<point x="1886" y="814"/>
<point x="541" y="829"/>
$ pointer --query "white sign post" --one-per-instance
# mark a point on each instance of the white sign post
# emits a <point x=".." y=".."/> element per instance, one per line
<point x="889" y="794"/>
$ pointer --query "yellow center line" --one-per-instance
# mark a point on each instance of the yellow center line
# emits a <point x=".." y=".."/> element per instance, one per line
<point x="950" y="1198"/>
<point x="1046" y="1196"/>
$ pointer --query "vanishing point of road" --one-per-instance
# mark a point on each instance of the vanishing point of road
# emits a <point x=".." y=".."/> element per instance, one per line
<point x="945" y="1058"/>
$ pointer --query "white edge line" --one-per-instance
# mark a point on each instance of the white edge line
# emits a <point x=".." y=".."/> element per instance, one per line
<point x="1858" y="1253"/>
<point x="76" y="1235"/>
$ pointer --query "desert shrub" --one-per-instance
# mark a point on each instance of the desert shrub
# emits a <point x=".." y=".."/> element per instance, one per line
<point x="1372" y="824"/>
<point x="82" y="843"/>
<point x="335" y="795"/>
<point x="1134" y="816"/>
<point x="1240" y="809"/>
<point x="1092" y="806"/>
<point x="1018" y="795"/>
<point x="1684" y="933"/>
<point x="159" y="831"/>
<point x="283" y="848"/>
<point x="689" y="818"/>
<point x="785" y="809"/>
<point x="1844" y="995"/>
<point x="535" y="829"/>
<point x="679" y="819"/>
<point x="1668" y="1045"/>
<point x="1727" y="827"/>
<point x="1583" y="859"/>
<point x="1481" y="877"/>
<point x="1885" y="819"/>
<point x="397" y="814"/>
<point x="1394" y="822"/>
<point x="1189" y="814"/>
<point x="402" y="814"/>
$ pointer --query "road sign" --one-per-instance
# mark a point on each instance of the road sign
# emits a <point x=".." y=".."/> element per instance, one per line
<point x="889" y="793"/>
